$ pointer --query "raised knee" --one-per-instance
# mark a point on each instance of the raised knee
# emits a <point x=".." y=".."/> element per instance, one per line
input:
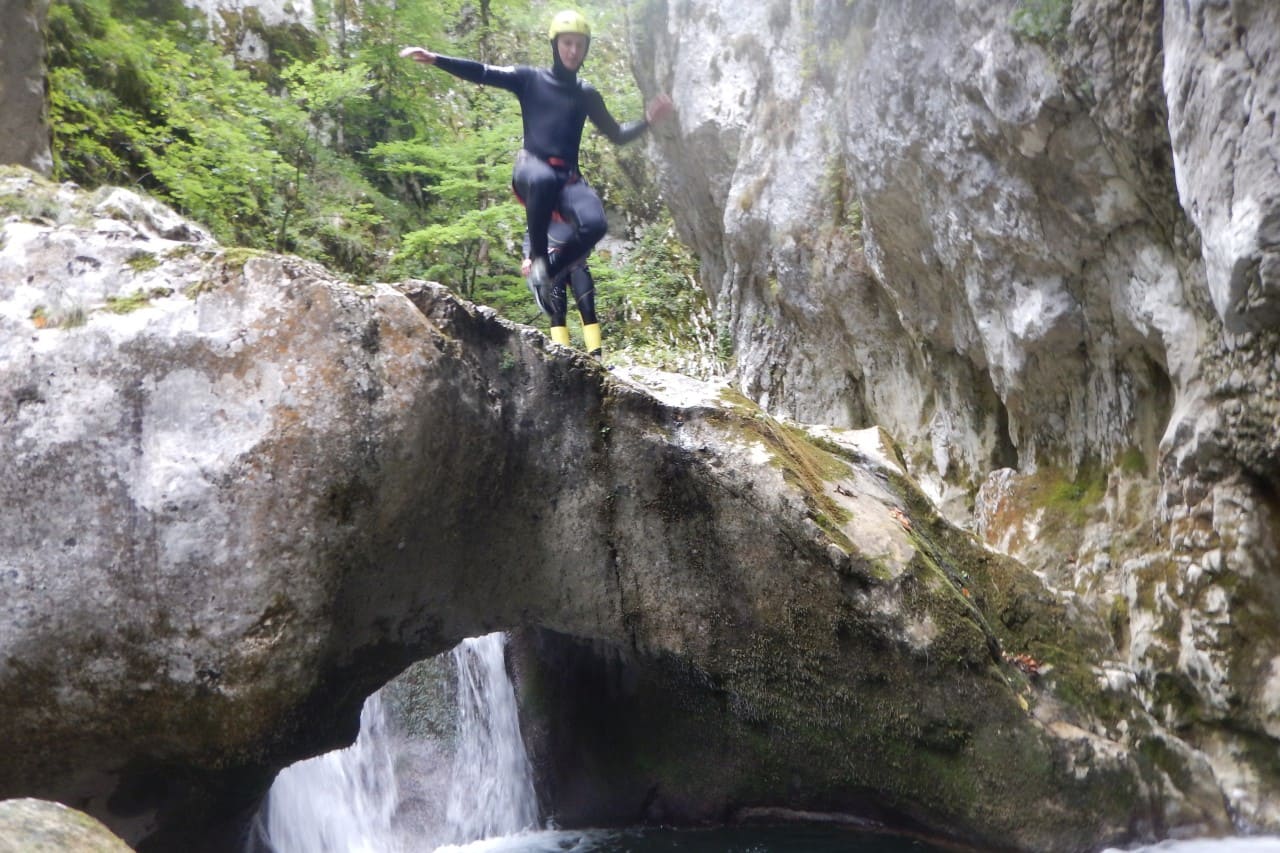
<point x="544" y="179"/>
<point x="592" y="230"/>
<point x="534" y="181"/>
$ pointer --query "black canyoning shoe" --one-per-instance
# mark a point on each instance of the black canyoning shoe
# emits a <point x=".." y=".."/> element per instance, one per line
<point x="540" y="285"/>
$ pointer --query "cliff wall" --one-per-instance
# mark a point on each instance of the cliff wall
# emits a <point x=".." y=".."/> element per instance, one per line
<point x="1037" y="243"/>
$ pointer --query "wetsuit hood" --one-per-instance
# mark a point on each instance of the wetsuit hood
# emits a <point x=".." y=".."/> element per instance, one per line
<point x="558" y="68"/>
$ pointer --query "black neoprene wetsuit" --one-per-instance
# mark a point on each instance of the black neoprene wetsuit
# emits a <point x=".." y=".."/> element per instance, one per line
<point x="580" y="280"/>
<point x="554" y="107"/>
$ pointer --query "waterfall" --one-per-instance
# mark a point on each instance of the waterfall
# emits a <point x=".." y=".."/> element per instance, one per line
<point x="1244" y="844"/>
<point x="339" y="802"/>
<point x="492" y="791"/>
<point x="380" y="794"/>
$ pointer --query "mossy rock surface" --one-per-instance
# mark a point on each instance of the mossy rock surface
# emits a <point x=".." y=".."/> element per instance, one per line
<point x="39" y="826"/>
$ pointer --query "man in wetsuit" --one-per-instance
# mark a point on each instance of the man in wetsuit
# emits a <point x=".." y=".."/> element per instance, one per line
<point x="554" y="106"/>
<point x="584" y="292"/>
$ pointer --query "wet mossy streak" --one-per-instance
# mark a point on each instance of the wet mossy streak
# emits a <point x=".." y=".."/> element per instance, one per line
<point x="806" y="463"/>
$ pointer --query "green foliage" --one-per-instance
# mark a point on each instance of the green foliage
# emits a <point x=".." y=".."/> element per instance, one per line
<point x="1133" y="461"/>
<point x="1042" y="20"/>
<point x="154" y="105"/>
<point x="1072" y="501"/>
<point x="473" y="227"/>
<point x="312" y="218"/>
<point x="225" y="172"/>
<point x="653" y="308"/>
<point x="465" y="247"/>
<point x="154" y="10"/>
<point x="334" y="148"/>
<point x="324" y="86"/>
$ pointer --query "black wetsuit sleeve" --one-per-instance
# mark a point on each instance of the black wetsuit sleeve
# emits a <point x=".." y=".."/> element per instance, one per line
<point x="504" y="77"/>
<point x="606" y="124"/>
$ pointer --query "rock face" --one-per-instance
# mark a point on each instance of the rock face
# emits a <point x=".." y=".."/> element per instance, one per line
<point x="239" y="495"/>
<point x="36" y="826"/>
<point x="260" y="33"/>
<point x="1037" y="243"/>
<point x="270" y="13"/>
<point x="24" y="134"/>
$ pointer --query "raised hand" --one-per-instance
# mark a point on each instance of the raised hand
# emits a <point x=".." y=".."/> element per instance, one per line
<point x="419" y="54"/>
<point x="659" y="108"/>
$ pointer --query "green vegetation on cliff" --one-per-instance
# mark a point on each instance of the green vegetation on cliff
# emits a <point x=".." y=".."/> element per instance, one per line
<point x="327" y="145"/>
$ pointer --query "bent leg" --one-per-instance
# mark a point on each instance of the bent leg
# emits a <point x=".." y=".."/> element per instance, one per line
<point x="581" y="208"/>
<point x="584" y="293"/>
<point x="558" y="305"/>
<point x="538" y="185"/>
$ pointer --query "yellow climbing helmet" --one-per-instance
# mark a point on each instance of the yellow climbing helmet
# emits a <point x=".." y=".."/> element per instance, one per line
<point x="568" y="21"/>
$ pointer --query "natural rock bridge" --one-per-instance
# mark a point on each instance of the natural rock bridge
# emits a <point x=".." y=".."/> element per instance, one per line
<point x="239" y="495"/>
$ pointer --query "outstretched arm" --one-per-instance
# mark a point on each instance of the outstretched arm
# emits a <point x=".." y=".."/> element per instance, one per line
<point x="467" y="69"/>
<point x="657" y="111"/>
<point x="419" y="54"/>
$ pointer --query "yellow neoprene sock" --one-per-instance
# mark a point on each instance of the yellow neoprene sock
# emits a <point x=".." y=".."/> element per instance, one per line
<point x="560" y="334"/>
<point x="591" y="337"/>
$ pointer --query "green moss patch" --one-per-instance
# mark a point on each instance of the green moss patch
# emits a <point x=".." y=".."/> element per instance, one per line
<point x="1069" y="501"/>
<point x="137" y="299"/>
<point x="806" y="463"/>
<point x="141" y="262"/>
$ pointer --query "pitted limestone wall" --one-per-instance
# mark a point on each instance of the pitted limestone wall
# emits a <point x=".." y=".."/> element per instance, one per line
<point x="1037" y="243"/>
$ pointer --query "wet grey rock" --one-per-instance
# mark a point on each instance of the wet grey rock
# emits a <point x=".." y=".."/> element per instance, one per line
<point x="240" y="495"/>
<point x="37" y="826"/>
<point x="1040" y="254"/>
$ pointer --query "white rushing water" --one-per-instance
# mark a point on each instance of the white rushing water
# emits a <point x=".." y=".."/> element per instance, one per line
<point x="339" y="802"/>
<point x="479" y="792"/>
<point x="492" y="791"/>
<point x="1258" y="844"/>
<point x="542" y="841"/>
<point x="348" y="801"/>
